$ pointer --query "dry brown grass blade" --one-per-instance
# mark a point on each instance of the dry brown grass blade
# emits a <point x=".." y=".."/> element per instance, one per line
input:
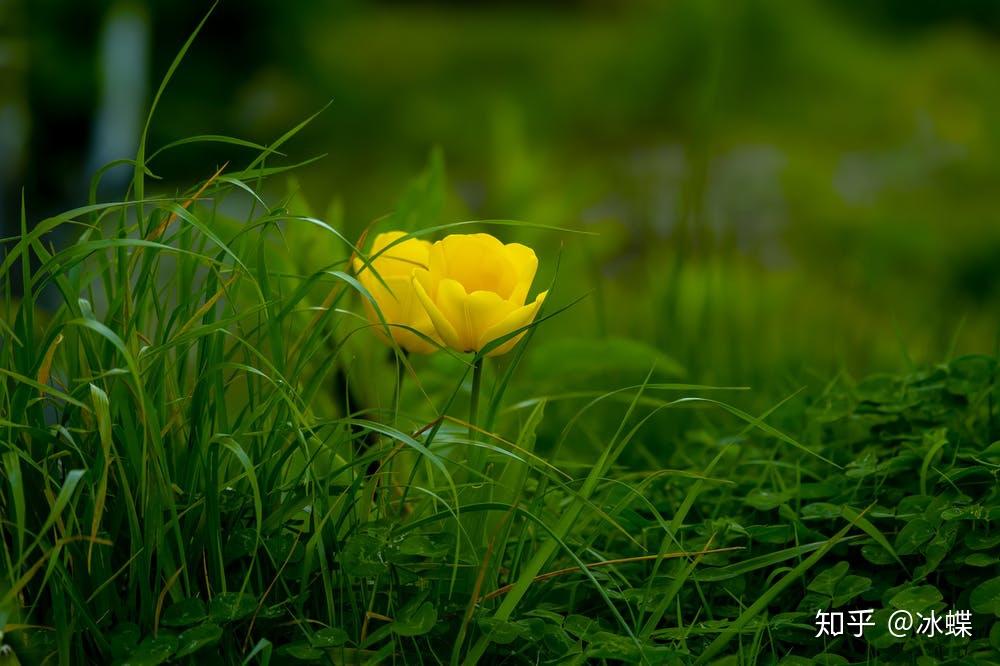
<point x="46" y="368"/>
<point x="156" y="233"/>
<point x="207" y="305"/>
<point x="159" y="230"/>
<point x="161" y="598"/>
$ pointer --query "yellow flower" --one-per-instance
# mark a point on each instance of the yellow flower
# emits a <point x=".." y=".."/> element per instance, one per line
<point x="474" y="290"/>
<point x="395" y="298"/>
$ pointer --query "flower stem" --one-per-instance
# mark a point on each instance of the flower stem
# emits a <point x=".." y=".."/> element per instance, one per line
<point x="397" y="387"/>
<point x="477" y="380"/>
<point x="477" y="456"/>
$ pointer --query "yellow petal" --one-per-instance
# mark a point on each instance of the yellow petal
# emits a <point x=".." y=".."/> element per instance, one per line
<point x="411" y="313"/>
<point x="519" y="318"/>
<point x="450" y="300"/>
<point x="384" y="295"/>
<point x="483" y="310"/>
<point x="479" y="262"/>
<point x="525" y="263"/>
<point x="443" y="327"/>
<point x="388" y="279"/>
<point x="400" y="259"/>
<point x="412" y="342"/>
<point x="400" y="309"/>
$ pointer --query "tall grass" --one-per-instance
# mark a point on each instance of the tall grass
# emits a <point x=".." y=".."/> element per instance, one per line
<point x="188" y="473"/>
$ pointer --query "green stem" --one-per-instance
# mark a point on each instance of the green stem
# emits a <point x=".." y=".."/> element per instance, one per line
<point x="477" y="381"/>
<point x="477" y="459"/>
<point x="397" y="388"/>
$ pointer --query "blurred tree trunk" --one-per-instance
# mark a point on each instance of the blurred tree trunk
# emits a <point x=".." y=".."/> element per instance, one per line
<point x="123" y="62"/>
<point x="13" y="111"/>
<point x="73" y="88"/>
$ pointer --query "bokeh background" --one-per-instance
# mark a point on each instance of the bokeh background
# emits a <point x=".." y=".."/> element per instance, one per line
<point x="775" y="191"/>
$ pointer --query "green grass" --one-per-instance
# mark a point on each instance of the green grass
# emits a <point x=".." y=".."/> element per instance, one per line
<point x="209" y="457"/>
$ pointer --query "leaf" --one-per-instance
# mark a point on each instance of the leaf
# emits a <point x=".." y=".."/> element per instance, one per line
<point x="914" y="534"/>
<point x="302" y="651"/>
<point x="196" y="638"/>
<point x="152" y="651"/>
<point x="916" y="599"/>
<point x="937" y="549"/>
<point x="418" y="545"/>
<point x="241" y="543"/>
<point x="881" y="389"/>
<point x="775" y="534"/>
<point x="415" y="619"/>
<point x="362" y="556"/>
<point x="231" y="606"/>
<point x="605" y="645"/>
<point x="329" y="637"/>
<point x="581" y="626"/>
<point x="124" y="638"/>
<point x="184" y="613"/>
<point x="849" y="587"/>
<point x="985" y="598"/>
<point x="821" y="510"/>
<point x="980" y="560"/>
<point x="826" y="581"/>
<point x="500" y="631"/>
<point x="968" y="375"/>
<point x="977" y="541"/>
<point x="765" y="500"/>
<point x="862" y="467"/>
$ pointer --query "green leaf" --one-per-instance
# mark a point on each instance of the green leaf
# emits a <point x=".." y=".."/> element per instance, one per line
<point x="968" y="375"/>
<point x="152" y="651"/>
<point x="985" y="598"/>
<point x="765" y="500"/>
<point x="775" y="534"/>
<point x="882" y="389"/>
<point x="415" y="619"/>
<point x="196" y="638"/>
<point x="821" y="511"/>
<point x="184" y="613"/>
<point x="980" y="560"/>
<point x="979" y="541"/>
<point x="419" y="545"/>
<point x="849" y="587"/>
<point x="826" y="581"/>
<point x="916" y="599"/>
<point x="605" y="645"/>
<point x="362" y="556"/>
<point x="124" y="638"/>
<point x="913" y="535"/>
<point x="302" y="651"/>
<point x="500" y="631"/>
<point x="329" y="637"/>
<point x="231" y="606"/>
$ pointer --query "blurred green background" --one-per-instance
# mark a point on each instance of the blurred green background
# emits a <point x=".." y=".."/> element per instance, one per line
<point x="780" y="189"/>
